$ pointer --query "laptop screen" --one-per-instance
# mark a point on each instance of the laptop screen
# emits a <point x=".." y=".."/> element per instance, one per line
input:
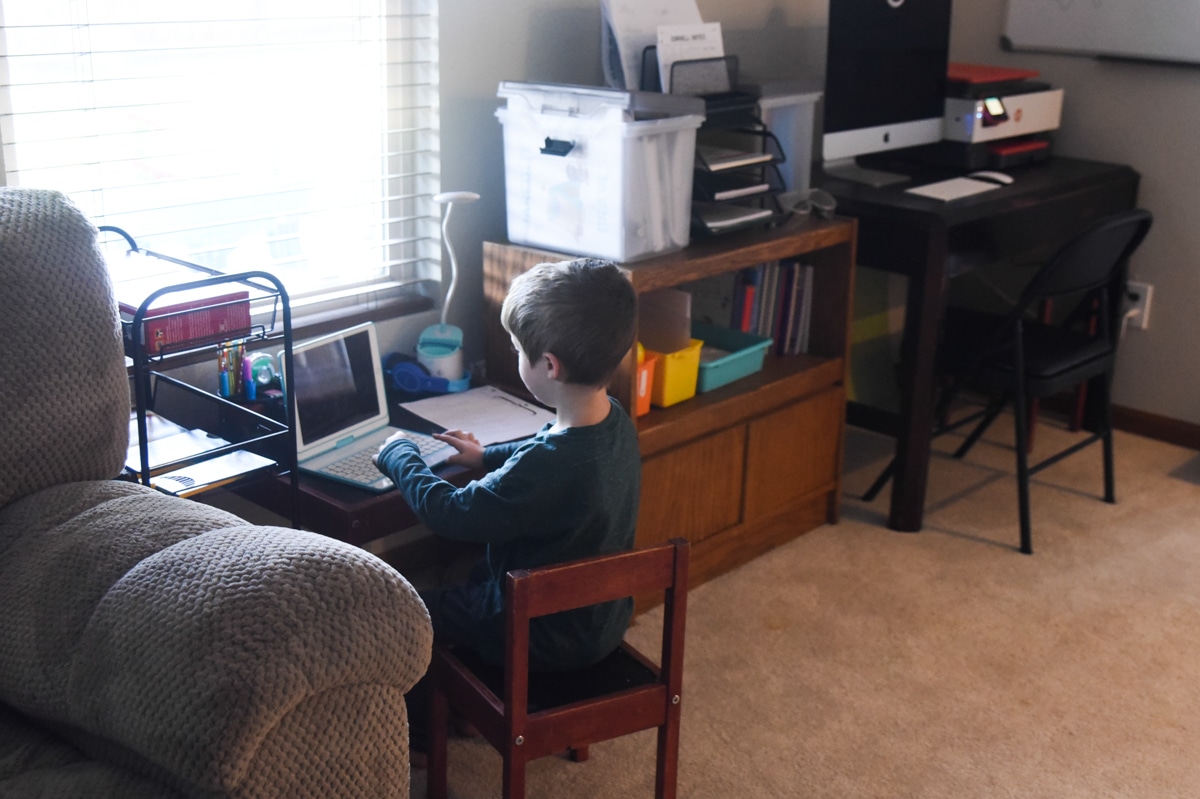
<point x="336" y="385"/>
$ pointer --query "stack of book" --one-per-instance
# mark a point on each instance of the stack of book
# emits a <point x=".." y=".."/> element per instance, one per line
<point x="775" y="299"/>
<point x="771" y="299"/>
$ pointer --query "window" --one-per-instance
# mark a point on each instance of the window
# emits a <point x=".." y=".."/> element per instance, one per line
<point x="294" y="136"/>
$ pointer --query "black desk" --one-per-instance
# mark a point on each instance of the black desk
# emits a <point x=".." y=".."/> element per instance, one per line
<point x="929" y="241"/>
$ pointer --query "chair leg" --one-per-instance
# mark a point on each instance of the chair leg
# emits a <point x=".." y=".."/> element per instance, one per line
<point x="1022" y="446"/>
<point x="435" y="783"/>
<point x="1031" y="424"/>
<point x="514" y="776"/>
<point x="1110" y="483"/>
<point x="880" y="481"/>
<point x="993" y="411"/>
<point x="666" y="769"/>
<point x="1080" y="404"/>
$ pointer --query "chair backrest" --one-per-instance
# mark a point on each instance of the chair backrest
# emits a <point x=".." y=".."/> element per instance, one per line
<point x="1088" y="262"/>
<point x="63" y="385"/>
<point x="1091" y="259"/>
<point x="551" y="589"/>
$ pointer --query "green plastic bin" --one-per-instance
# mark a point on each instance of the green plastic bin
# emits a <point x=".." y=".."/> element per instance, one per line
<point x="746" y="353"/>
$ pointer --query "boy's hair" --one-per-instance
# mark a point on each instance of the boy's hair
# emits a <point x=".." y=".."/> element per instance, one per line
<point x="583" y="311"/>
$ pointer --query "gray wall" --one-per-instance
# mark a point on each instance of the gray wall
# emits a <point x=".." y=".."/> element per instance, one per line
<point x="1143" y="115"/>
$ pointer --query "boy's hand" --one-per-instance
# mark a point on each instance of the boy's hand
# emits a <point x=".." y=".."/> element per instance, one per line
<point x="470" y="451"/>
<point x="399" y="434"/>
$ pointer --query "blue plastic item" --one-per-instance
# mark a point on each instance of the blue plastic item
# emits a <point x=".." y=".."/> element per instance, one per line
<point x="746" y="353"/>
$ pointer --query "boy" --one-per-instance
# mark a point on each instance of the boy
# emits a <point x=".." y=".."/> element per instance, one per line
<point x="570" y="491"/>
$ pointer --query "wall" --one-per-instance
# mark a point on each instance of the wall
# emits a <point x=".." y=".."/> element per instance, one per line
<point x="1144" y="115"/>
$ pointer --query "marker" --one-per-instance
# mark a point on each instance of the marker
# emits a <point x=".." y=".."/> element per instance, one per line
<point x="248" y="379"/>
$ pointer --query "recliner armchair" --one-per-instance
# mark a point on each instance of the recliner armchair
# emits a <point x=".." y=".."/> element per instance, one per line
<point x="152" y="646"/>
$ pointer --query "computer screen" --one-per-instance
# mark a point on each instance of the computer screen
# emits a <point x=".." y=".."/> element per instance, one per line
<point x="335" y="385"/>
<point x="885" y="77"/>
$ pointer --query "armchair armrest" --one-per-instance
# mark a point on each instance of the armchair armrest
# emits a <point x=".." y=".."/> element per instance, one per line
<point x="252" y="653"/>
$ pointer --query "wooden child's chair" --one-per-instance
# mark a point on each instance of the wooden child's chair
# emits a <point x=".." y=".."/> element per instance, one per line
<point x="527" y="716"/>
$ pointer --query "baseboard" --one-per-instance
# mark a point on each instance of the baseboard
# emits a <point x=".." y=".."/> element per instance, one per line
<point x="1141" y="423"/>
<point x="1160" y="428"/>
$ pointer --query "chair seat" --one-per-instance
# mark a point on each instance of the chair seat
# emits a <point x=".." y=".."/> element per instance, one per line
<point x="1056" y="359"/>
<point x="618" y="671"/>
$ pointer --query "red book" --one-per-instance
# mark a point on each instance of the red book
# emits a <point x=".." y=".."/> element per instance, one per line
<point x="747" y="308"/>
<point x="173" y="322"/>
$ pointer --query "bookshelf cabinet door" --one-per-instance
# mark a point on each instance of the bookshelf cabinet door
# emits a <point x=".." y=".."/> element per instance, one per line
<point x="694" y="490"/>
<point x="794" y="452"/>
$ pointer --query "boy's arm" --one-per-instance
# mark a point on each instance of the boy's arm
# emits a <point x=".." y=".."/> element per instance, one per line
<point x="494" y="455"/>
<point x="500" y="506"/>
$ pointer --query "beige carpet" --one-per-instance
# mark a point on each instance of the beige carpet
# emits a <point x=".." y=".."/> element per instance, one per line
<point x="859" y="662"/>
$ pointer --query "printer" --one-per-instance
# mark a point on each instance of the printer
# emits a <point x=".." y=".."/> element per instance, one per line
<point x="997" y="117"/>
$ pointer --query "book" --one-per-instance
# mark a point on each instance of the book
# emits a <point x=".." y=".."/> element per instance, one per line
<point x="796" y="282"/>
<point x="805" y="320"/>
<point x="178" y="319"/>
<point x="784" y="307"/>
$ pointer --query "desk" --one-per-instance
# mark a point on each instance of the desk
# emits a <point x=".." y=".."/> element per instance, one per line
<point x="342" y="511"/>
<point x="929" y="241"/>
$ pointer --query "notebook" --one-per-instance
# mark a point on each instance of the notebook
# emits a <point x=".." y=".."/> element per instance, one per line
<point x="342" y="412"/>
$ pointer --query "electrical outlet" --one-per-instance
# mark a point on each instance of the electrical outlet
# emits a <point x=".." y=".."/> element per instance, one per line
<point x="1139" y="300"/>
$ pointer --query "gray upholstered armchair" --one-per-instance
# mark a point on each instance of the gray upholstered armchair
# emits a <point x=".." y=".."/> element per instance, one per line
<point x="155" y="646"/>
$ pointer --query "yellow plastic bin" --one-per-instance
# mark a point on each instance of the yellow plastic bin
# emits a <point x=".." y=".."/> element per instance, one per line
<point x="675" y="375"/>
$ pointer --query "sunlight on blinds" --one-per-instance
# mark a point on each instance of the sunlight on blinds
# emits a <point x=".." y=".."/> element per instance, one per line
<point x="294" y="136"/>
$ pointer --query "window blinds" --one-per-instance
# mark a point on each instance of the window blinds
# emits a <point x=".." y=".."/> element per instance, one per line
<point x="296" y="136"/>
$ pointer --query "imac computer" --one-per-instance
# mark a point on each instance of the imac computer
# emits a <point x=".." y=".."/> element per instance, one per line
<point x="885" y="81"/>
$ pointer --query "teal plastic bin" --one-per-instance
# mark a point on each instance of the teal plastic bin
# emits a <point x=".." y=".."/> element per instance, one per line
<point x="745" y="354"/>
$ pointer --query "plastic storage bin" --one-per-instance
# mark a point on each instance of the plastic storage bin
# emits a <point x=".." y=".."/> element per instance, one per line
<point x="746" y="352"/>
<point x="645" y="384"/>
<point x="675" y="375"/>
<point x="583" y="180"/>
<point x="787" y="109"/>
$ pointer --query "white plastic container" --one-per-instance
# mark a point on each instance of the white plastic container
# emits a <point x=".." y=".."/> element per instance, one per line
<point x="616" y="189"/>
<point x="787" y="109"/>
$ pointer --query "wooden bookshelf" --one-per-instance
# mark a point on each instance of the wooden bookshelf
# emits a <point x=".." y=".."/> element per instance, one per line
<point x="757" y="462"/>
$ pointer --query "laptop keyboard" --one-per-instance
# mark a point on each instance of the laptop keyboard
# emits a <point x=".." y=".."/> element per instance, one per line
<point x="356" y="466"/>
<point x="359" y="467"/>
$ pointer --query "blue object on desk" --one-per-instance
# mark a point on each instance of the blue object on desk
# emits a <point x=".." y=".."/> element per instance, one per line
<point x="405" y="374"/>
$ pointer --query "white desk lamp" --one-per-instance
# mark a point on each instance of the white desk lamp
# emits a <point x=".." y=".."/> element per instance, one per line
<point x="439" y="348"/>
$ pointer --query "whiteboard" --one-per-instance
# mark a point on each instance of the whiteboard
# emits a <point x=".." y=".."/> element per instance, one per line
<point x="1160" y="30"/>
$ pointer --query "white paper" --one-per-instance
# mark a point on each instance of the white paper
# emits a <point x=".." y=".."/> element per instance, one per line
<point x="494" y="416"/>
<point x="172" y="448"/>
<point x="634" y="26"/>
<point x="687" y="43"/>
<point x="952" y="189"/>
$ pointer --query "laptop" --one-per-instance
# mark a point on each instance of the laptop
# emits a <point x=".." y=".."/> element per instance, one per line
<point x="342" y="412"/>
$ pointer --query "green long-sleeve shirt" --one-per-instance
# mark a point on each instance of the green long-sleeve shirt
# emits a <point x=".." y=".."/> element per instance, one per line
<point x="548" y="499"/>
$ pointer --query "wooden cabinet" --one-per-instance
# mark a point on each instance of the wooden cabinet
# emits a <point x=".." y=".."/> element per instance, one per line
<point x="752" y="464"/>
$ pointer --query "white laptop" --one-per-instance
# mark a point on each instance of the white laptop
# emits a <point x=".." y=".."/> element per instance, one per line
<point x="342" y="412"/>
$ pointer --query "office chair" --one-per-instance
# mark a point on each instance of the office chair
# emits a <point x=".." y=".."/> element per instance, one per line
<point x="1017" y="358"/>
<point x="526" y="715"/>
